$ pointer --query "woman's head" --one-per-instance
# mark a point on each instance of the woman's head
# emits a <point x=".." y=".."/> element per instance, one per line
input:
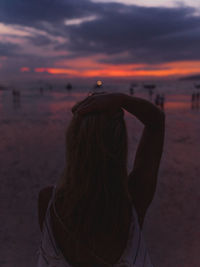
<point x="97" y="143"/>
<point x="95" y="178"/>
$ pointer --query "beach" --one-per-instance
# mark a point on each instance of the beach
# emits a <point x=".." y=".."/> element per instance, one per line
<point x="32" y="156"/>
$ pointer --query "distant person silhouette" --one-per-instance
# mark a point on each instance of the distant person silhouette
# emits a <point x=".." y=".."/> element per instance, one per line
<point x="150" y="88"/>
<point x="16" y="93"/>
<point x="94" y="214"/>
<point x="16" y="98"/>
<point x="157" y="100"/>
<point x="131" y="91"/>
<point x="69" y="87"/>
<point x="160" y="100"/>
<point x="197" y="100"/>
<point x="193" y="100"/>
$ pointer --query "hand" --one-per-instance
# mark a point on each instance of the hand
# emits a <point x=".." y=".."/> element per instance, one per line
<point x="99" y="102"/>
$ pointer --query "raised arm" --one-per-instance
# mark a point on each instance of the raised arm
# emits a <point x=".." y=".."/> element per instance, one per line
<point x="143" y="177"/>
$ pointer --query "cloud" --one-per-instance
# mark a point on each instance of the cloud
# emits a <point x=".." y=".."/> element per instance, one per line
<point x="122" y="34"/>
<point x="79" y="21"/>
<point x="33" y="13"/>
<point x="149" y="35"/>
<point x="40" y="40"/>
<point x="8" y="49"/>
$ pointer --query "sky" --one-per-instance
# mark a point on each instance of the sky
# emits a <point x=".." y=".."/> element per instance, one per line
<point x="98" y="39"/>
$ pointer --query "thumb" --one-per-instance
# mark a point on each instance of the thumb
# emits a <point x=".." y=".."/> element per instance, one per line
<point x="84" y="110"/>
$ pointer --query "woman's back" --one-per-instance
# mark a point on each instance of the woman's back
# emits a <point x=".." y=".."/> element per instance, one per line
<point x="108" y="246"/>
<point x="53" y="253"/>
<point x="102" y="205"/>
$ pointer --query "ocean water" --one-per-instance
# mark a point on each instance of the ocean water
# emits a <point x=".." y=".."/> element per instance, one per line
<point x="32" y="156"/>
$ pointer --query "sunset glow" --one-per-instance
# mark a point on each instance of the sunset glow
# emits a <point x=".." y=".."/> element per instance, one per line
<point x="99" y="38"/>
<point x="174" y="68"/>
<point x="24" y="69"/>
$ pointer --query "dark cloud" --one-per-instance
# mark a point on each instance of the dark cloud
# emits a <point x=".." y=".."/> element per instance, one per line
<point x="126" y="34"/>
<point x="30" y="13"/>
<point x="150" y="35"/>
<point x="40" y="40"/>
<point x="9" y="49"/>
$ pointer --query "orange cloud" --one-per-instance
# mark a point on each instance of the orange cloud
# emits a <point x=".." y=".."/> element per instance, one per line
<point x="129" y="70"/>
<point x="25" y="69"/>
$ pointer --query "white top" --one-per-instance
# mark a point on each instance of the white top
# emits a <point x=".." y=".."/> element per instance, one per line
<point x="134" y="255"/>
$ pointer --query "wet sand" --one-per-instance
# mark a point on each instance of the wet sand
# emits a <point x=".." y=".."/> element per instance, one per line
<point x="32" y="157"/>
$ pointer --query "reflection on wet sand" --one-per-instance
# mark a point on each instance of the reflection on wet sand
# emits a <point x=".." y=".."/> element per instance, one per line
<point x="32" y="157"/>
<point x="55" y="105"/>
<point x="176" y="105"/>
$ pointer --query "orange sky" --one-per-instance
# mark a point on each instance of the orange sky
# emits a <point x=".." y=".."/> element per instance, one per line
<point x="89" y="68"/>
<point x="91" y="42"/>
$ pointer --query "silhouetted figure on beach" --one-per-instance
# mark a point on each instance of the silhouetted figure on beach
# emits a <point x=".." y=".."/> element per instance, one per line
<point x="150" y="88"/>
<point x="16" y="98"/>
<point x="131" y="91"/>
<point x="160" y="101"/>
<point x="16" y="93"/>
<point x="69" y="87"/>
<point x="95" y="211"/>
<point x="195" y="100"/>
<point x="132" y="88"/>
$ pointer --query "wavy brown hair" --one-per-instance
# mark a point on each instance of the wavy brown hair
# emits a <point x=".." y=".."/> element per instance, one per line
<point x="95" y="181"/>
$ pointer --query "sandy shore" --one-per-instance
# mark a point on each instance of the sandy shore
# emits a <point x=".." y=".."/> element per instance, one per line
<point x="32" y="157"/>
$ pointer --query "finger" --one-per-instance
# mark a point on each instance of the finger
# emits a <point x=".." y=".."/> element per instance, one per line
<point x="79" y="104"/>
<point x="86" y="102"/>
<point x="73" y="109"/>
<point x="84" y="110"/>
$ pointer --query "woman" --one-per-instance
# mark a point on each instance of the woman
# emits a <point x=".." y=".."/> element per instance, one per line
<point x="94" y="215"/>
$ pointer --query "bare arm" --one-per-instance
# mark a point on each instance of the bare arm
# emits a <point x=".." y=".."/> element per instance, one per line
<point x="143" y="177"/>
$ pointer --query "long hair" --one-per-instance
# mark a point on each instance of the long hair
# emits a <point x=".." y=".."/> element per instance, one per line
<point x="95" y="180"/>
